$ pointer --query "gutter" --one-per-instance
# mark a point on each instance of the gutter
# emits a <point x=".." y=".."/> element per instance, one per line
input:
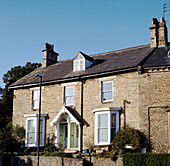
<point x="73" y="78"/>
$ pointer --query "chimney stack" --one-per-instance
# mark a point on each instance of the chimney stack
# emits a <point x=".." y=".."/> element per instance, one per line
<point x="158" y="33"/>
<point x="49" y="55"/>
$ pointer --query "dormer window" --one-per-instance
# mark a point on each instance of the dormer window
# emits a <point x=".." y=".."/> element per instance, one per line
<point x="79" y="65"/>
<point x="82" y="62"/>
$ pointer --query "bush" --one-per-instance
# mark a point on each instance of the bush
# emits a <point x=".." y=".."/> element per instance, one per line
<point x="11" y="137"/>
<point x="50" y="149"/>
<point x="128" y="136"/>
<point x="58" y="154"/>
<point x="147" y="159"/>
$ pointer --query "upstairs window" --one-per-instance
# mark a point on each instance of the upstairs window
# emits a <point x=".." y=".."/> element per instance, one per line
<point x="79" y="65"/>
<point x="107" y="91"/>
<point x="82" y="62"/>
<point x="69" y="95"/>
<point x="35" y="99"/>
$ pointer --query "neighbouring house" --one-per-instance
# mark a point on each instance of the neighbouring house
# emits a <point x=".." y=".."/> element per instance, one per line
<point x="86" y="100"/>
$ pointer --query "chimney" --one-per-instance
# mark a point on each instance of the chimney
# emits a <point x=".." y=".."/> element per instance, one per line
<point x="158" y="33"/>
<point x="162" y="40"/>
<point x="49" y="55"/>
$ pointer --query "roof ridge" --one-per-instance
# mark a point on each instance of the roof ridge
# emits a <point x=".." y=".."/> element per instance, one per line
<point x="121" y="50"/>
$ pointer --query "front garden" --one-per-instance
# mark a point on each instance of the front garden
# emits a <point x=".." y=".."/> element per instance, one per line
<point x="127" y="145"/>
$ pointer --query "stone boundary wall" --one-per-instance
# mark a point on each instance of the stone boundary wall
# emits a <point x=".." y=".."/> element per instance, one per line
<point x="59" y="161"/>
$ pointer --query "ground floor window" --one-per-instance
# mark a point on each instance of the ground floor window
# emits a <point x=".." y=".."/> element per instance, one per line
<point x="32" y="130"/>
<point x="106" y="126"/>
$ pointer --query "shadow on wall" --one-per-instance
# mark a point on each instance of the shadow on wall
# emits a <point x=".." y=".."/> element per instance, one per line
<point x="16" y="161"/>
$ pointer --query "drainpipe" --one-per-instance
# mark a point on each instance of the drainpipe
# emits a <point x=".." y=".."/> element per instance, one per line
<point x="81" y="125"/>
<point x="124" y="107"/>
<point x="149" y="108"/>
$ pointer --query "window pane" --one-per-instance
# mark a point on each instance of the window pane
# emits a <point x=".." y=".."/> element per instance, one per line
<point x="113" y="120"/>
<point x="107" y="96"/>
<point x="31" y="138"/>
<point x="81" y="67"/>
<point x="103" y="121"/>
<point x="76" y="62"/>
<point x="69" y="100"/>
<point x="81" y="62"/>
<point x="31" y="132"/>
<point x="35" y="104"/>
<point x="31" y="125"/>
<point x="113" y="133"/>
<point x="103" y="135"/>
<point x="69" y="91"/>
<point x="36" y="95"/>
<point x="107" y="86"/>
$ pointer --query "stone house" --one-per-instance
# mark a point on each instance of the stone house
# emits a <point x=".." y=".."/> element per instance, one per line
<point x="86" y="100"/>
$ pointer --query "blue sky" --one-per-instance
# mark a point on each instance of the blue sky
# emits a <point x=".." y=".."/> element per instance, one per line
<point x="90" y="26"/>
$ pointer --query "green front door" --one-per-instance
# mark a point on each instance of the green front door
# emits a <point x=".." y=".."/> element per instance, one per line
<point x="63" y="128"/>
<point x="74" y="135"/>
<point x="61" y="134"/>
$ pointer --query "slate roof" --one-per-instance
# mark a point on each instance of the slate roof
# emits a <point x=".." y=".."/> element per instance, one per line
<point x="109" y="62"/>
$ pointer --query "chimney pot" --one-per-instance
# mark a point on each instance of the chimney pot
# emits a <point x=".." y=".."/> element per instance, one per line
<point x="154" y="21"/>
<point x="162" y="19"/>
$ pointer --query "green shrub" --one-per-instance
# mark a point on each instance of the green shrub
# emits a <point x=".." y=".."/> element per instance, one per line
<point x="147" y="159"/>
<point x="11" y="137"/>
<point x="127" y="136"/>
<point x="51" y="148"/>
<point x="113" y="157"/>
<point x="58" y="154"/>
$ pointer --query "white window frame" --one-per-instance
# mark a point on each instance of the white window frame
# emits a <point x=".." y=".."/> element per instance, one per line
<point x="78" y="66"/>
<point x="35" y="117"/>
<point x="109" y="113"/>
<point x="70" y="95"/>
<point x="107" y="91"/>
<point x="35" y="100"/>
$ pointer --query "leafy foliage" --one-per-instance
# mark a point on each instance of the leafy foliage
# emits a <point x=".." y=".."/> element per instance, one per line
<point x="11" y="137"/>
<point x="128" y="136"/>
<point x="6" y="101"/>
<point x="147" y="159"/>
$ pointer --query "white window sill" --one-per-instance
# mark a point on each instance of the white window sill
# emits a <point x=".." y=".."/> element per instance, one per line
<point x="104" y="143"/>
<point x="69" y="105"/>
<point x="106" y="101"/>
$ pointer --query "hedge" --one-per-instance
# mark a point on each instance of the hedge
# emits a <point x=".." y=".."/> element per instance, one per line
<point x="146" y="159"/>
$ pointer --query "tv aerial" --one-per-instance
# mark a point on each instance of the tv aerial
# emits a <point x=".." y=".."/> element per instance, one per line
<point x="166" y="8"/>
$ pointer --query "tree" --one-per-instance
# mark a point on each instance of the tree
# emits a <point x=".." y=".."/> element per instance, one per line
<point x="11" y="137"/>
<point x="6" y="103"/>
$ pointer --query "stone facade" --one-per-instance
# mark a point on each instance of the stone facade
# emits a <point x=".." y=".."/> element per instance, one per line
<point x="154" y="91"/>
<point x="141" y="91"/>
<point x="125" y="87"/>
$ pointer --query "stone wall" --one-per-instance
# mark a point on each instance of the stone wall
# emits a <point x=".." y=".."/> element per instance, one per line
<point x="45" y="161"/>
<point x="125" y="87"/>
<point x="154" y="90"/>
<point x="59" y="161"/>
